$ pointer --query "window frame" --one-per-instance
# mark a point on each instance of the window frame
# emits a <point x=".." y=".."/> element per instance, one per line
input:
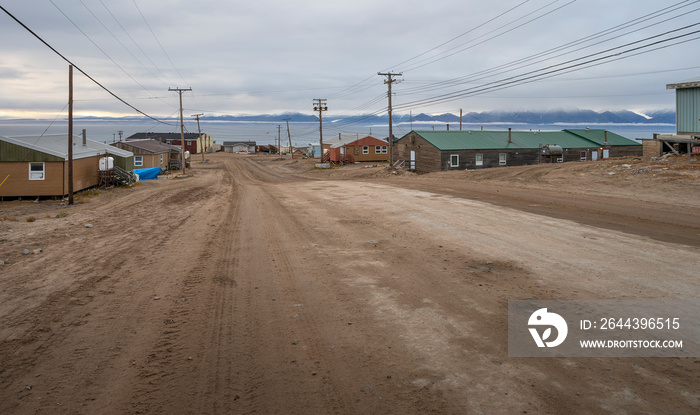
<point x="452" y="156"/>
<point x="377" y="149"/>
<point x="385" y="149"/>
<point x="479" y="159"/>
<point x="365" y="149"/>
<point x="502" y="159"/>
<point x="43" y="170"/>
<point x="138" y="161"/>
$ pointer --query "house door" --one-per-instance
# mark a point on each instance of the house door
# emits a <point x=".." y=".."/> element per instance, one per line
<point x="594" y="155"/>
<point x="606" y="153"/>
<point x="413" y="160"/>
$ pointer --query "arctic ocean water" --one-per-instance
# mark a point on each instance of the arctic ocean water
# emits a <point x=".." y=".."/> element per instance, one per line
<point x="302" y="133"/>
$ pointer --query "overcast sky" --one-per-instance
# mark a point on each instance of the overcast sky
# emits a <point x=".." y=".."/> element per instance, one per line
<point x="267" y="56"/>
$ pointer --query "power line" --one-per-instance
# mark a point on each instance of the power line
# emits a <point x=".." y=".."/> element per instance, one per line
<point x="98" y="46"/>
<point x="115" y="37"/>
<point x="529" y="60"/>
<point x="463" y="34"/>
<point x="78" y="68"/>
<point x="137" y="45"/>
<point x="495" y="36"/>
<point x="158" y="41"/>
<point x="532" y="76"/>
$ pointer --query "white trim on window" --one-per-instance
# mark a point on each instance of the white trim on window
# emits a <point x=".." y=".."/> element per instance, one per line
<point x="138" y="161"/>
<point x="479" y="160"/>
<point x="377" y="149"/>
<point x="37" y="171"/>
<point x="384" y="150"/>
<point x="454" y="160"/>
<point x="161" y="159"/>
<point x="365" y="149"/>
<point x="502" y="159"/>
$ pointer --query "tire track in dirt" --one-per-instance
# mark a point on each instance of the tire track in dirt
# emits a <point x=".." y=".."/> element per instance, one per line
<point x="52" y="330"/>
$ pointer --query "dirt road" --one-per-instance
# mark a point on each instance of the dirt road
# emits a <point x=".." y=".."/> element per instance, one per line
<point x="253" y="287"/>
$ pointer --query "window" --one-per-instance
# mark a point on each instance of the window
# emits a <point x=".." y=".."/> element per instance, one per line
<point x="479" y="160"/>
<point x="36" y="171"/>
<point x="377" y="149"/>
<point x="138" y="161"/>
<point x="365" y="149"/>
<point x="454" y="160"/>
<point x="583" y="156"/>
<point x="384" y="149"/>
<point x="161" y="159"/>
<point x="502" y="159"/>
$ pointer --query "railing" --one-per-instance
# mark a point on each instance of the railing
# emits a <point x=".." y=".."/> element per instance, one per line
<point x="123" y="177"/>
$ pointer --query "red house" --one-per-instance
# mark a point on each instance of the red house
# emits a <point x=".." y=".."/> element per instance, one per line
<point x="364" y="149"/>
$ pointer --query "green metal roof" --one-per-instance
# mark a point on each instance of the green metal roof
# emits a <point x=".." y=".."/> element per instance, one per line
<point x="498" y="140"/>
<point x="598" y="137"/>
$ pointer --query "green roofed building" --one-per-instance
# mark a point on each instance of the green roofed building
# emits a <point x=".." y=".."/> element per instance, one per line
<point x="428" y="151"/>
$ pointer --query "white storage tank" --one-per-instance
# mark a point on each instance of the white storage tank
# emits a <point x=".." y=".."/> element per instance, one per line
<point x="106" y="163"/>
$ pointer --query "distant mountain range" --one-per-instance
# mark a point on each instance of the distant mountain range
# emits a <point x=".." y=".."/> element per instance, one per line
<point x="516" y="117"/>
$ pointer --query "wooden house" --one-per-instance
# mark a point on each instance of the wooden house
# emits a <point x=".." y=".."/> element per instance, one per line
<point x="428" y="151"/>
<point x="33" y="166"/>
<point x="149" y="153"/>
<point x="363" y="149"/>
<point x="194" y="143"/>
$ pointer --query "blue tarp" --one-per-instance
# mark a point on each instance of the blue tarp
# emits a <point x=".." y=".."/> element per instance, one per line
<point x="148" y="174"/>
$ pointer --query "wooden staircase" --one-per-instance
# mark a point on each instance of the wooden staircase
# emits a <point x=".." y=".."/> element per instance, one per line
<point x="123" y="177"/>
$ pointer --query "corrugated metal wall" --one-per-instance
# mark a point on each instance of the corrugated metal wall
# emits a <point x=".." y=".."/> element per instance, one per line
<point x="12" y="152"/>
<point x="688" y="110"/>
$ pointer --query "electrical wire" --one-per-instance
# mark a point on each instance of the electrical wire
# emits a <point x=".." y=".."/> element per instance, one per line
<point x="99" y="48"/>
<point x="159" y="44"/>
<point x="78" y="68"/>
<point x="572" y="66"/>
<point x="139" y="47"/>
<point x="530" y="60"/>
<point x="493" y="37"/>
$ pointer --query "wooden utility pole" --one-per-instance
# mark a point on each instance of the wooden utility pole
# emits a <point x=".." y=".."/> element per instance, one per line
<point x="291" y="150"/>
<point x="279" y="140"/>
<point x="201" y="142"/>
<point x="390" y="80"/>
<point x="70" y="135"/>
<point x="182" y="124"/>
<point x="320" y="106"/>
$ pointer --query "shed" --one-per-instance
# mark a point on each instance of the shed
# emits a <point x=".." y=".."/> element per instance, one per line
<point x="687" y="137"/>
<point x="687" y="106"/>
<point x="32" y="166"/>
<point x="239" y="146"/>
